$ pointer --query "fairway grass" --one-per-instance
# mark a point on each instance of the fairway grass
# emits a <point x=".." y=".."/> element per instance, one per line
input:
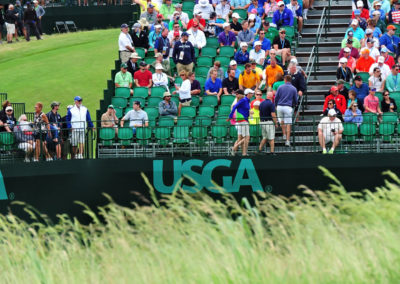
<point x="326" y="237"/>
<point x="59" y="68"/>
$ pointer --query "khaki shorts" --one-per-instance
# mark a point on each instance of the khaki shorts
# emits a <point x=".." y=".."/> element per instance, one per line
<point x="186" y="104"/>
<point x="78" y="137"/>
<point x="10" y="28"/>
<point x="243" y="128"/>
<point x="187" y="68"/>
<point x="125" y="56"/>
<point x="268" y="130"/>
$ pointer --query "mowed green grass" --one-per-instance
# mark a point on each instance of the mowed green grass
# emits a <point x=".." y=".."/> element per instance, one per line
<point x="59" y="68"/>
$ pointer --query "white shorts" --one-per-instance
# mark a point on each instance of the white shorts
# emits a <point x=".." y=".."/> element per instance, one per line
<point x="77" y="137"/>
<point x="243" y="128"/>
<point x="284" y="114"/>
<point x="268" y="130"/>
<point x="25" y="146"/>
<point x="10" y="28"/>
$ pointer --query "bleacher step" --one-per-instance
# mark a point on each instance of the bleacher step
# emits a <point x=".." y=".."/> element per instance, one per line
<point x="333" y="16"/>
<point x="323" y="43"/>
<point x="330" y="34"/>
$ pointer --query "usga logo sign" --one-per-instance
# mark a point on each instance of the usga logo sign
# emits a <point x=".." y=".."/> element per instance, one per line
<point x="203" y="178"/>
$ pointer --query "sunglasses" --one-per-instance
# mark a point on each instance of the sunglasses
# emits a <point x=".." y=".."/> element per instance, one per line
<point x="386" y="95"/>
<point x="9" y="110"/>
<point x="262" y="33"/>
<point x="379" y="71"/>
<point x="282" y="32"/>
<point x="330" y="103"/>
<point x="167" y="96"/>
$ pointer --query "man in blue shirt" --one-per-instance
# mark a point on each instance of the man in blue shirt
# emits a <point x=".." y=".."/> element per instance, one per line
<point x="242" y="110"/>
<point x="162" y="45"/>
<point x="389" y="40"/>
<point x="213" y="85"/>
<point x="361" y="90"/>
<point x="183" y="54"/>
<point x="242" y="55"/>
<point x="283" y="16"/>
<point x="265" y="42"/>
<point x="268" y="123"/>
<point x="233" y="65"/>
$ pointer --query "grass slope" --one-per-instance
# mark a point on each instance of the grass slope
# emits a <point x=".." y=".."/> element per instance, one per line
<point x="59" y="68"/>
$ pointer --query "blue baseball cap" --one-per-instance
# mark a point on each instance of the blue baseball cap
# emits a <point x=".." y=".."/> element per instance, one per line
<point x="77" y="98"/>
<point x="185" y="34"/>
<point x="150" y="6"/>
<point x="384" y="49"/>
<point x="124" y="26"/>
<point x="373" y="89"/>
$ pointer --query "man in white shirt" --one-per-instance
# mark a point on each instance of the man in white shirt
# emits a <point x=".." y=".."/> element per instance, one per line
<point x="185" y="97"/>
<point x="197" y="37"/>
<point x="223" y="10"/>
<point x="330" y="129"/>
<point x="137" y="117"/>
<point x="160" y="79"/>
<point x="257" y="54"/>
<point x="373" y="50"/>
<point x="385" y="69"/>
<point x="205" y="8"/>
<point x="184" y="17"/>
<point x="125" y="44"/>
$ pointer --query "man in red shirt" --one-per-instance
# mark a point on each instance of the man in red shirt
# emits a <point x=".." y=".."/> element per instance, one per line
<point x="389" y="60"/>
<point x="198" y="19"/>
<point x="339" y="99"/>
<point x="143" y="77"/>
<point x="364" y="13"/>
<point x="365" y="61"/>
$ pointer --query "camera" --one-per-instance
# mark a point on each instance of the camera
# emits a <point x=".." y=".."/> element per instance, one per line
<point x="333" y="130"/>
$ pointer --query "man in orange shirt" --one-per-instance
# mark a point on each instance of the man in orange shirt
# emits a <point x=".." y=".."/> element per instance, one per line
<point x="365" y="61"/>
<point x="270" y="73"/>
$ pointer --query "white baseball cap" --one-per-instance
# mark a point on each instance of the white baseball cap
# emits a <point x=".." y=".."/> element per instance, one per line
<point x="354" y="22"/>
<point x="343" y="60"/>
<point x="235" y="15"/>
<point x="157" y="27"/>
<point x="381" y="59"/>
<point x="248" y="91"/>
<point x="203" y="3"/>
<point x="360" y="4"/>
<point x="332" y="112"/>
<point x="225" y="25"/>
<point x="346" y="49"/>
<point x="257" y="43"/>
<point x="252" y="17"/>
<point x="280" y="3"/>
<point x="233" y="62"/>
<point x="159" y="66"/>
<point x="242" y="44"/>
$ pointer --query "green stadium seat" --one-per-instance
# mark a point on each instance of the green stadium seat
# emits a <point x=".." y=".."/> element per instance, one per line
<point x="240" y="67"/>
<point x="140" y="92"/>
<point x="212" y="43"/>
<point x="123" y="92"/>
<point x="181" y="134"/>
<point x="125" y="136"/>
<point x="396" y="97"/>
<point x="162" y="135"/>
<point x="195" y="101"/>
<point x="196" y="52"/>
<point x="369" y="117"/>
<point x="141" y="52"/>
<point x="222" y="121"/>
<point x="199" y="135"/>
<point x="223" y="59"/>
<point x="202" y="121"/>
<point x="290" y="32"/>
<point x="367" y="131"/>
<point x="153" y="102"/>
<point x="119" y="112"/>
<point x="209" y="50"/>
<point x="364" y="76"/>
<point x="227" y="99"/>
<point x="119" y="102"/>
<point x="178" y="81"/>
<point x="233" y="132"/>
<point x="106" y="135"/>
<point x="188" y="111"/>
<point x="255" y="133"/>
<point x="379" y="95"/>
<point x="219" y="133"/>
<point x="224" y="111"/>
<point x="188" y="5"/>
<point x="228" y="51"/>
<point x="143" y="134"/>
<point x="150" y="60"/>
<point x="386" y="130"/>
<point x="350" y="131"/>
<point x="201" y="71"/>
<point x="210" y="100"/>
<point x="204" y="61"/>
<point x="202" y="81"/>
<point x="272" y="33"/>
<point x="206" y="111"/>
<point x="389" y="117"/>
<point x="158" y="92"/>
<point x="184" y="121"/>
<point x="152" y="112"/>
<point x="175" y="99"/>
<point x="166" y="121"/>
<point x="242" y="13"/>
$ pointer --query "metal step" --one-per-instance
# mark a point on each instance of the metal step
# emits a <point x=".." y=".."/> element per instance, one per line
<point x="312" y="30"/>
<point x="343" y="25"/>
<point x="320" y="49"/>
<point x="336" y="21"/>
<point x="322" y="39"/>
<point x="333" y="16"/>
<point x="323" y="43"/>
<point x="321" y="82"/>
<point x="321" y="53"/>
<point x="338" y="34"/>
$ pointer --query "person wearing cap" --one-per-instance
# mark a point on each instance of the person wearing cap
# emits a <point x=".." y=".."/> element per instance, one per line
<point x="373" y="51"/>
<point x="197" y="36"/>
<point x="394" y="14"/>
<point x="385" y="70"/>
<point x="297" y="12"/>
<point x="343" y="71"/>
<point x="353" y="114"/>
<point x="139" y="37"/>
<point x="364" y="62"/>
<point x="184" y="91"/>
<point x="390" y="40"/>
<point x="183" y="16"/>
<point x="389" y="60"/>
<point x="197" y="19"/>
<point x="361" y="90"/>
<point x="392" y="82"/>
<point x="233" y="65"/>
<point x="258" y="70"/>
<point x="254" y="21"/>
<point x="249" y="79"/>
<point x="109" y="119"/>
<point x="358" y="32"/>
<point x="7" y="120"/>
<point x="371" y="103"/>
<point x="40" y="13"/>
<point x="271" y="71"/>
<point x="241" y="110"/>
<point x="223" y="10"/>
<point x="230" y="84"/>
<point x="342" y="89"/>
<point x="154" y="35"/>
<point x="144" y="5"/>
<point x="164" y="63"/>
<point x="235" y="26"/>
<point x="283" y="16"/>
<point x="159" y="78"/>
<point x="125" y="44"/>
<point x="242" y="55"/>
<point x="227" y="37"/>
<point x="364" y="13"/>
<point x="240" y="4"/>
<point x="373" y="32"/>
<point x="150" y="15"/>
<point x="379" y="23"/>
<point x="167" y="9"/>
<point x="257" y="54"/>
<point x="174" y="34"/>
<point x="351" y="62"/>
<point x="245" y="35"/>
<point x="123" y="79"/>
<point x="213" y="86"/>
<point x="143" y="77"/>
<point x="377" y="7"/>
<point x="30" y="19"/>
<point x="78" y="119"/>
<point x="183" y="54"/>
<point x="167" y="107"/>
<point x="330" y="129"/>
<point x="23" y="132"/>
<point x="340" y="101"/>
<point x="285" y="100"/>
<point x="361" y="21"/>
<point x="136" y="117"/>
<point x="159" y="21"/>
<point x="376" y="81"/>
<point x="350" y="39"/>
<point x="132" y="64"/>
<point x="265" y="42"/>
<point x="176" y="20"/>
<point x="214" y="26"/>
<point x="268" y="123"/>
<point x="282" y="45"/>
<point x="205" y="8"/>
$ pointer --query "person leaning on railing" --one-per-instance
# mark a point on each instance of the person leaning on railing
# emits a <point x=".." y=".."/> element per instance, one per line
<point x="24" y="135"/>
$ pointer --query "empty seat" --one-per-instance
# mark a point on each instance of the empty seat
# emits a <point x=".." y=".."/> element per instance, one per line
<point x="210" y="100"/>
<point x="206" y="111"/>
<point x="188" y="111"/>
<point x="123" y="92"/>
<point x="106" y="136"/>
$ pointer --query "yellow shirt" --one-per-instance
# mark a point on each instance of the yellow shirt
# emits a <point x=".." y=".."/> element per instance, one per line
<point x="144" y="2"/>
<point x="271" y="72"/>
<point x="249" y="81"/>
<point x="255" y="117"/>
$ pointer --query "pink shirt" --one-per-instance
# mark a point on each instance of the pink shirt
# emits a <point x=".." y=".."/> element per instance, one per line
<point x="372" y="102"/>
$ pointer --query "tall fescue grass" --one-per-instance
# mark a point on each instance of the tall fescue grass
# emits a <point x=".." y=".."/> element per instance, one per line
<point x="324" y="237"/>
